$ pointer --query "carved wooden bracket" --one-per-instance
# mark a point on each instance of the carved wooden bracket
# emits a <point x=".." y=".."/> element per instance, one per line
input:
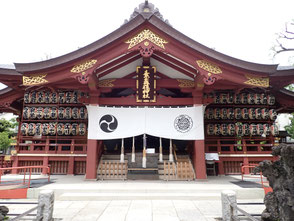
<point x="146" y="42"/>
<point x="209" y="80"/>
<point x="83" y="78"/>
<point x="84" y="70"/>
<point x="5" y="104"/>
<point x="146" y="48"/>
<point x="210" y="72"/>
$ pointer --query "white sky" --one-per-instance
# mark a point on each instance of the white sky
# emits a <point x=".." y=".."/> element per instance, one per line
<point x="34" y="29"/>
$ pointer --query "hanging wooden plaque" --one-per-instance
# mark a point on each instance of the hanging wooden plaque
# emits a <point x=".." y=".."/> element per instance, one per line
<point x="146" y="84"/>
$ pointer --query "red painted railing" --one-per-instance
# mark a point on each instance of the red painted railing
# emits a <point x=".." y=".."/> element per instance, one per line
<point x="263" y="181"/>
<point x="27" y="175"/>
<point x="245" y="146"/>
<point x="52" y="148"/>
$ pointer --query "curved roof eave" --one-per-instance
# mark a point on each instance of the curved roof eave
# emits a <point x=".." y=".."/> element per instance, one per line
<point x="42" y="65"/>
<point x="8" y="71"/>
<point x="263" y="68"/>
<point x="284" y="71"/>
<point x="287" y="92"/>
<point x="132" y="24"/>
<point x="5" y="90"/>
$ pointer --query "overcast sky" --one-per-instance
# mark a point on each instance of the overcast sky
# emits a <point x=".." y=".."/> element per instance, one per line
<point x="245" y="29"/>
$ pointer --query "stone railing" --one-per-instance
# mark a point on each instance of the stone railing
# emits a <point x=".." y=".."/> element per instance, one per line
<point x="230" y="208"/>
<point x="44" y="208"/>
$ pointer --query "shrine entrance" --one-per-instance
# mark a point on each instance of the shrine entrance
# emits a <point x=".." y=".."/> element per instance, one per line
<point x="144" y="157"/>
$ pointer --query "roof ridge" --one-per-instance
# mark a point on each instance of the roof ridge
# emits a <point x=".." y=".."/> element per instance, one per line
<point x="147" y="9"/>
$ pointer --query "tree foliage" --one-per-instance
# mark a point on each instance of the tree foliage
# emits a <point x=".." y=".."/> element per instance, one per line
<point x="5" y="141"/>
<point x="290" y="87"/>
<point x="6" y="132"/>
<point x="290" y="127"/>
<point x="8" y="126"/>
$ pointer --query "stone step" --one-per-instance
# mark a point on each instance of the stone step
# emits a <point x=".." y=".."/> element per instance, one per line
<point x="134" y="176"/>
<point x="130" y="190"/>
<point x="137" y="196"/>
<point x="253" y="193"/>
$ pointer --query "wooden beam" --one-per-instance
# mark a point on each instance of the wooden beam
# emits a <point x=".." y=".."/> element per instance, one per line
<point x="93" y="83"/>
<point x="131" y="83"/>
<point x="173" y="66"/>
<point x="131" y="101"/>
<point x="100" y="75"/>
<point x="115" y="62"/>
<point x="177" y="62"/>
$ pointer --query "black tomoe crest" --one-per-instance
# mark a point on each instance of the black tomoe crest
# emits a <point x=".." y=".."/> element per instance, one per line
<point x="108" y="123"/>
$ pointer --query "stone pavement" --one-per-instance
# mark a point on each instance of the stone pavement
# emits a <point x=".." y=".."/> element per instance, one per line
<point x="73" y="200"/>
<point x="137" y="210"/>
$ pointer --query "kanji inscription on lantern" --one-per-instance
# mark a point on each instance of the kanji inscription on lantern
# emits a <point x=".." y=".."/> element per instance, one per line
<point x="146" y="84"/>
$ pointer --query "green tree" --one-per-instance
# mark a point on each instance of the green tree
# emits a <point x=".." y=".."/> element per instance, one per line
<point x="290" y="127"/>
<point x="8" y="126"/>
<point x="290" y="87"/>
<point x="5" y="141"/>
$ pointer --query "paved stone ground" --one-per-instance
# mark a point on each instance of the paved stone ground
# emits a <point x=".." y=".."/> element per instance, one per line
<point x="135" y="209"/>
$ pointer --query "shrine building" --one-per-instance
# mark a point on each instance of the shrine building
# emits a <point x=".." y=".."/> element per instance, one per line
<point x="144" y="101"/>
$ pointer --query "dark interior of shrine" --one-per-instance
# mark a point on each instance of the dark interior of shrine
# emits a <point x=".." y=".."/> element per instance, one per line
<point x="152" y="142"/>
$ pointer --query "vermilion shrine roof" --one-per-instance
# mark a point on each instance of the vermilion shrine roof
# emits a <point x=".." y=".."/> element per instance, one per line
<point x="147" y="30"/>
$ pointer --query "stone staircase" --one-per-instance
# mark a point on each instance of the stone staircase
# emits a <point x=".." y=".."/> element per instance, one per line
<point x="110" y="167"/>
<point x="210" y="189"/>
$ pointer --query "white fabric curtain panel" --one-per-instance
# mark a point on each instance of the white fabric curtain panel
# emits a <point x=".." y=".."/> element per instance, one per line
<point x="180" y="123"/>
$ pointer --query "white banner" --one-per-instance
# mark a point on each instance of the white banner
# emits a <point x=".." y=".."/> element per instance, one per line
<point x="175" y="123"/>
<point x="172" y="123"/>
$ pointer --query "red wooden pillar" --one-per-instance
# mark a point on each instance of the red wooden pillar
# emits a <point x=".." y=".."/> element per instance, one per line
<point x="199" y="159"/>
<point x="45" y="164"/>
<point x="92" y="157"/>
<point x="15" y="164"/>
<point x="246" y="163"/>
<point x="221" y="170"/>
<point x="71" y="165"/>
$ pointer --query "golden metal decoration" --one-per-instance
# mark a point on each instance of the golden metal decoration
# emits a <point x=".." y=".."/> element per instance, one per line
<point x="83" y="66"/>
<point x="185" y="83"/>
<point x="146" y="85"/>
<point x="13" y="152"/>
<point x="257" y="80"/>
<point x="7" y="158"/>
<point x="209" y="67"/>
<point x="34" y="79"/>
<point x="146" y="35"/>
<point x="106" y="83"/>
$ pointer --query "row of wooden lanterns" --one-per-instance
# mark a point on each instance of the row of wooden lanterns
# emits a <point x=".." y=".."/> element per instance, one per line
<point x="49" y="97"/>
<point x="242" y="98"/>
<point x="240" y="129"/>
<point x="54" y="112"/>
<point x="240" y="113"/>
<point x="52" y="129"/>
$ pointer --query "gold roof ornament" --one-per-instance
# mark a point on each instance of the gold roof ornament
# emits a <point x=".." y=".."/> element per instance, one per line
<point x="106" y="83"/>
<point x="209" y="67"/>
<point x="34" y="79"/>
<point x="183" y="83"/>
<point x="146" y="34"/>
<point x="257" y="80"/>
<point x="83" y="66"/>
